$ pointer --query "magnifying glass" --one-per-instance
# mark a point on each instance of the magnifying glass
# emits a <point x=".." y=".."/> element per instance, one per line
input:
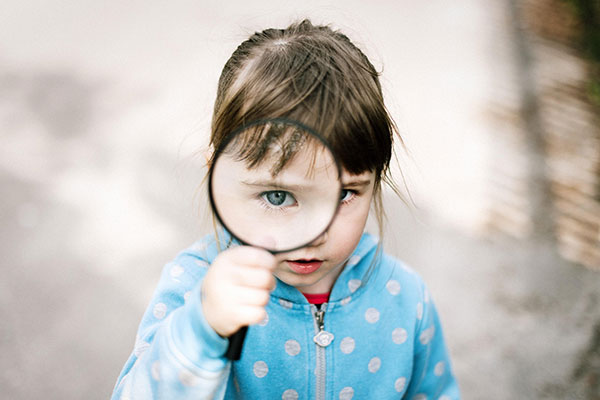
<point x="274" y="184"/>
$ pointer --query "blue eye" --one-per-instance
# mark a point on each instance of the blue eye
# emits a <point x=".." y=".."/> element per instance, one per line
<point x="347" y="195"/>
<point x="278" y="198"/>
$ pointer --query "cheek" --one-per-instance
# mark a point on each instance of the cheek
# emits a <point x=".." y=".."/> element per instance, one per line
<point x="346" y="231"/>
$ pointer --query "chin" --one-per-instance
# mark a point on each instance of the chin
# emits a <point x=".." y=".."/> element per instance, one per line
<point x="299" y="283"/>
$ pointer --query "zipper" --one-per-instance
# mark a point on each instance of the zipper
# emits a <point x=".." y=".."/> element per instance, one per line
<point x="322" y="339"/>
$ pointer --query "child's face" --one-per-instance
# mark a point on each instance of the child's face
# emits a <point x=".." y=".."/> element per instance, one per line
<point x="325" y="257"/>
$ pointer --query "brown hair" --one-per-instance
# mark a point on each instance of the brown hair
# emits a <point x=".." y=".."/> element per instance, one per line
<point x="318" y="77"/>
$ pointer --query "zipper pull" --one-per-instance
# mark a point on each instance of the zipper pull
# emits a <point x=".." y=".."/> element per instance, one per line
<point x="323" y="338"/>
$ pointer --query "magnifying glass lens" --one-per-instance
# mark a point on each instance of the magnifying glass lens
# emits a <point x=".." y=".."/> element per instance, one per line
<point x="275" y="185"/>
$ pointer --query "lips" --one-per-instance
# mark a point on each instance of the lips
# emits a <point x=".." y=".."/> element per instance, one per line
<point x="304" y="266"/>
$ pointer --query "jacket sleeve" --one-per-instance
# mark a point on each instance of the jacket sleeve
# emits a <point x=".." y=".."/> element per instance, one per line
<point x="176" y="353"/>
<point x="432" y="376"/>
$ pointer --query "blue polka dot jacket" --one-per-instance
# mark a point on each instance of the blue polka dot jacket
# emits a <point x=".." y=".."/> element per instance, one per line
<point x="380" y="338"/>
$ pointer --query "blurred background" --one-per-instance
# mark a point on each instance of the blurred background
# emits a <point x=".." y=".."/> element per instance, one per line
<point x="104" y="113"/>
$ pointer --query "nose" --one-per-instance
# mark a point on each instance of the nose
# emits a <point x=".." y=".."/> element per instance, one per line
<point x="322" y="238"/>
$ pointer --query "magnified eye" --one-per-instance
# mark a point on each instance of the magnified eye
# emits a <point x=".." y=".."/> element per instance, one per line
<point x="278" y="198"/>
<point x="347" y="195"/>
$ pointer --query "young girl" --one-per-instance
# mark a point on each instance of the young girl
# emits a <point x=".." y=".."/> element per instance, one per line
<point x="362" y="325"/>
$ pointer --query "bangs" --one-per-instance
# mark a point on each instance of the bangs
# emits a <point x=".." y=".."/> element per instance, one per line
<point x="317" y="77"/>
<point x="276" y="142"/>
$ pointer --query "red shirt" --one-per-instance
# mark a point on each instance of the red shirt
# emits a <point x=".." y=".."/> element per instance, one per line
<point x="318" y="298"/>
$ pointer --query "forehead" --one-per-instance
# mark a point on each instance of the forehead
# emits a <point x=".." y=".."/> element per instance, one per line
<point x="306" y="167"/>
<point x="276" y="143"/>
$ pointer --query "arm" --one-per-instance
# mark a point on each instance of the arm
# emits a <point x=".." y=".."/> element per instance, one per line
<point x="432" y="373"/>
<point x="177" y="354"/>
<point x="180" y="346"/>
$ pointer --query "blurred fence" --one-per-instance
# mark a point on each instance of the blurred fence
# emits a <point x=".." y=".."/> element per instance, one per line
<point x="546" y="181"/>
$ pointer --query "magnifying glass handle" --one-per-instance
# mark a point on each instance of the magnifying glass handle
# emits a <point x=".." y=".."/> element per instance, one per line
<point x="236" y="342"/>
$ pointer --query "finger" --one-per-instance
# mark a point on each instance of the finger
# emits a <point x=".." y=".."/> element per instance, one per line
<point x="247" y="296"/>
<point x="252" y="256"/>
<point x="258" y="278"/>
<point x="248" y="315"/>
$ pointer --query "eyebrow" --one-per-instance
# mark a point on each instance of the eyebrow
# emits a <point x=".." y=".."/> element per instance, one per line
<point x="292" y="187"/>
<point x="274" y="184"/>
<point x="358" y="182"/>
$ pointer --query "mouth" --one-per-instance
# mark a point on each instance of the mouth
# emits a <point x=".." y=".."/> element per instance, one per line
<point x="304" y="266"/>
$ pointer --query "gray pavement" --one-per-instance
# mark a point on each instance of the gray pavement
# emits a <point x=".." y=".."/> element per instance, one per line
<point x="104" y="108"/>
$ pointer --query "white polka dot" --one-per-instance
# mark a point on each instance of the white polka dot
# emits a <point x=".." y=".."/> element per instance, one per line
<point x="159" y="310"/>
<point x="439" y="368"/>
<point x="260" y="369"/>
<point x="346" y="393"/>
<point x="420" y="396"/>
<point x="374" y="364"/>
<point x="265" y="320"/>
<point x="346" y="300"/>
<point x="399" y="384"/>
<point x="393" y="287"/>
<point x="427" y="335"/>
<point x="290" y="394"/>
<point x="202" y="263"/>
<point x="399" y="335"/>
<point x="372" y="315"/>
<point x="352" y="261"/>
<point x="187" y="378"/>
<point x="155" y="370"/>
<point x="347" y="345"/>
<point x="177" y="270"/>
<point x="186" y="296"/>
<point x="292" y="347"/>
<point x="426" y="296"/>
<point x="419" y="310"/>
<point x="285" y="303"/>
<point x="354" y="284"/>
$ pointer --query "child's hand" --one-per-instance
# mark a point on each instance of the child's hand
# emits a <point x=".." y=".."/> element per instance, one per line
<point x="236" y="288"/>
